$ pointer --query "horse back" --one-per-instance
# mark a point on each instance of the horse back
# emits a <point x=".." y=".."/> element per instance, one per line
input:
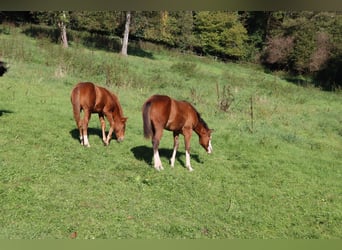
<point x="84" y="94"/>
<point x="160" y="108"/>
<point x="182" y="115"/>
<point x="94" y="98"/>
<point x="105" y="100"/>
<point x="171" y="114"/>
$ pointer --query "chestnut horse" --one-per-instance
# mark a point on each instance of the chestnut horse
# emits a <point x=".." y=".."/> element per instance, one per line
<point x="94" y="99"/>
<point x="162" y="112"/>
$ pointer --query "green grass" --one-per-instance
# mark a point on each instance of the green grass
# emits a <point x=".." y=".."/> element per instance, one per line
<point x="282" y="181"/>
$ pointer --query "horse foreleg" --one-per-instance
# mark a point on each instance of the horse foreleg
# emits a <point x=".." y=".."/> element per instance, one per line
<point x="175" y="148"/>
<point x="187" y="137"/>
<point x="187" y="159"/>
<point x="111" y="129"/>
<point x="103" y="128"/>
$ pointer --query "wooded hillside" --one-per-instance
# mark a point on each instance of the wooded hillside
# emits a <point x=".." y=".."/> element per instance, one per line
<point x="305" y="43"/>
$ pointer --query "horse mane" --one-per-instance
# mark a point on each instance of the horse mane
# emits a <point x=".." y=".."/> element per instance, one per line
<point x="200" y="119"/>
<point x="117" y="103"/>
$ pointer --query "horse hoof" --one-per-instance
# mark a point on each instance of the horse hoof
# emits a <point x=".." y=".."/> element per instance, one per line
<point x="159" y="168"/>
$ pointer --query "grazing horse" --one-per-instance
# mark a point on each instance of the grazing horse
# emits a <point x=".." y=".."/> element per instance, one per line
<point x="94" y="99"/>
<point x="162" y="112"/>
<point x="3" y="68"/>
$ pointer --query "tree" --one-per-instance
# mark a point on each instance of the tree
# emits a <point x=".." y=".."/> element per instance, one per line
<point x="61" y="22"/>
<point x="182" y="32"/>
<point x="96" y="22"/>
<point x="220" y="33"/>
<point x="126" y="34"/>
<point x="59" y="18"/>
<point x="306" y="43"/>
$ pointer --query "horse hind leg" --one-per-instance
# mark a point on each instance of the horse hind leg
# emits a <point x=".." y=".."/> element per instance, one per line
<point x="80" y="129"/>
<point x="86" y="119"/>
<point x="175" y="148"/>
<point x="78" y="120"/>
<point x="157" y="162"/>
<point x="79" y="125"/>
<point x="156" y="158"/>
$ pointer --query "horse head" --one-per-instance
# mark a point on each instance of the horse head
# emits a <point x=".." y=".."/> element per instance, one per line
<point x="205" y="139"/>
<point x="119" y="129"/>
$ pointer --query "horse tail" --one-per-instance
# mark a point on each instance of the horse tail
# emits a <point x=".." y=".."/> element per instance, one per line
<point x="147" y="121"/>
<point x="76" y="106"/>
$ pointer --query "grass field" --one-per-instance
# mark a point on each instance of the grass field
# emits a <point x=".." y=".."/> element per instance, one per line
<point x="274" y="176"/>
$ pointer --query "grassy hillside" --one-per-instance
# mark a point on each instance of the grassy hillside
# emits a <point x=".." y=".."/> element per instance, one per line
<point x="276" y="175"/>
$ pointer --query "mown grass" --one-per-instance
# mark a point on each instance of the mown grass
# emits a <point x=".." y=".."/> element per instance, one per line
<point x="280" y="179"/>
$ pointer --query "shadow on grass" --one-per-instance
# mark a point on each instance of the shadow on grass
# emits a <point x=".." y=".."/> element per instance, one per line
<point x="5" y="111"/>
<point x="91" y="132"/>
<point x="144" y="153"/>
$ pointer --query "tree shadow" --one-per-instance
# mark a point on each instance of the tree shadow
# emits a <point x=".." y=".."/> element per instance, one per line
<point x="89" y="40"/>
<point x="135" y="49"/>
<point x="297" y="80"/>
<point x="5" y="111"/>
<point x="144" y="153"/>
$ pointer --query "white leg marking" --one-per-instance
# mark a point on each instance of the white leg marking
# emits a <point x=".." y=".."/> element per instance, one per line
<point x="157" y="161"/>
<point x="106" y="141"/>
<point x="187" y="159"/>
<point x="173" y="158"/>
<point x="85" y="140"/>
<point x="210" y="148"/>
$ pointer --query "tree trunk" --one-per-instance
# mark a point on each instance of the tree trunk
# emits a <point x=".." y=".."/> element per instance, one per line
<point x="64" y="39"/>
<point x="126" y="33"/>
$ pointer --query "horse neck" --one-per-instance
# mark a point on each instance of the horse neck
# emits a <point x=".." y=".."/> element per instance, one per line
<point x="200" y="127"/>
<point x="117" y="108"/>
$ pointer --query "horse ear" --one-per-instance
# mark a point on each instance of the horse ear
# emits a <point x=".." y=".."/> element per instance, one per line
<point x="124" y="119"/>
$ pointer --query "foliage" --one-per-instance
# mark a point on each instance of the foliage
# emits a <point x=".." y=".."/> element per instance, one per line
<point x="173" y="28"/>
<point x="315" y="42"/>
<point x="100" y="22"/>
<point x="220" y="33"/>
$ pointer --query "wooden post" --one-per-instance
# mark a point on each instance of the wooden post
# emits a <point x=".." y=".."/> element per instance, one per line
<point x="252" y="114"/>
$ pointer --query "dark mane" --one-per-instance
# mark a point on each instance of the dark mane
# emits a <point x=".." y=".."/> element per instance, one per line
<point x="200" y="119"/>
<point x="205" y="125"/>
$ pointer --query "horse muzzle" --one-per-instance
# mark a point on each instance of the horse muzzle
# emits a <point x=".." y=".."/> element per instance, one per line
<point x="120" y="139"/>
<point x="210" y="148"/>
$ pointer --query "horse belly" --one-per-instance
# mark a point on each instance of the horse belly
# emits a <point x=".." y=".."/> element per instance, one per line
<point x="175" y="124"/>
